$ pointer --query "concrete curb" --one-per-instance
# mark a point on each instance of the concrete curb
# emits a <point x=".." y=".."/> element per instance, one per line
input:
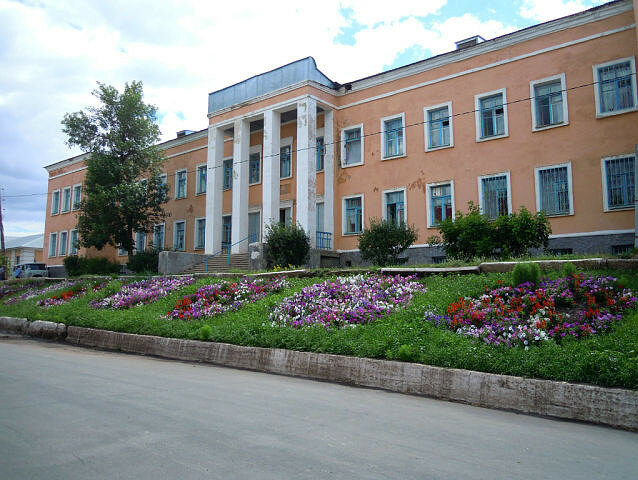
<point x="613" y="407"/>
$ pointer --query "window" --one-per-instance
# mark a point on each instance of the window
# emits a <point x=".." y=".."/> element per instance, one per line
<point x="320" y="219"/>
<point x="491" y="115"/>
<point x="163" y="179"/>
<point x="64" y="237"/>
<point x="180" y="184"/>
<point x="77" y="196"/>
<point x="438" y="126"/>
<point x="66" y="199"/>
<point x="615" y="89"/>
<point x="494" y="195"/>
<point x="158" y="237"/>
<point x="55" y="203"/>
<point x="549" y="102"/>
<point x="352" y="146"/>
<point x="140" y="241"/>
<point x="321" y="153"/>
<point x="53" y="244"/>
<point x="440" y="199"/>
<point x="73" y="243"/>
<point x="393" y="136"/>
<point x="121" y="252"/>
<point x="254" y="168"/>
<point x="394" y="206"/>
<point x="201" y="179"/>
<point x="200" y="233"/>
<point x="553" y="189"/>
<point x="285" y="170"/>
<point x="285" y="216"/>
<point x="254" y="227"/>
<point x="619" y="189"/>
<point x="179" y="233"/>
<point x="226" y="231"/>
<point x="228" y="174"/>
<point x="621" y="249"/>
<point x="353" y="215"/>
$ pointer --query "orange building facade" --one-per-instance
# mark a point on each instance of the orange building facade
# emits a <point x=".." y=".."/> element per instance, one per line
<point x="545" y="117"/>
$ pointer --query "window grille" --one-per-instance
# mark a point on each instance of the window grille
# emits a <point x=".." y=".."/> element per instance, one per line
<point x="615" y="87"/>
<point x="554" y="191"/>
<point x="439" y="125"/>
<point x="549" y="104"/>
<point x="393" y="137"/>
<point x="620" y="182"/>
<point x="494" y="196"/>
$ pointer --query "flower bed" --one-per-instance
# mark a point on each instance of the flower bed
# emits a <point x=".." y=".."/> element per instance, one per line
<point x="574" y="306"/>
<point x="142" y="292"/>
<point x="346" y="301"/>
<point x="37" y="291"/>
<point x="211" y="300"/>
<point x="77" y="290"/>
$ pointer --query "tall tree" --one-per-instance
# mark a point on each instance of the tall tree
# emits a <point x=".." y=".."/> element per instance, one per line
<point x="123" y="188"/>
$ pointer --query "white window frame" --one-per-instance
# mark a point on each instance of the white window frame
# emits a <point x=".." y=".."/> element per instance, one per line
<point x="158" y="247"/>
<point x="75" y="248"/>
<point x="285" y="142"/>
<point x="384" y="203"/>
<point x="343" y="215"/>
<point x="175" y="235"/>
<point x="343" y="146"/>
<point x="66" y="243"/>
<point x="632" y="65"/>
<point x="383" y="143"/>
<point x="604" y="179"/>
<point x="509" y="189"/>
<point x="195" y="246"/>
<point x="59" y="201"/>
<point x="257" y="149"/>
<point x="64" y="190"/>
<point x="428" y="200"/>
<point x="177" y="172"/>
<point x="532" y="93"/>
<point x="477" y="114"/>
<point x="51" y="235"/>
<point x="73" y="202"/>
<point x="198" y="167"/>
<point x="426" y="125"/>
<point x="570" y="185"/>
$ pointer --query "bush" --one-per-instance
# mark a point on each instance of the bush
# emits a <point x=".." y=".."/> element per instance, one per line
<point x="76" y="266"/>
<point x="383" y="241"/>
<point x="475" y="235"/>
<point x="205" y="332"/>
<point x="286" y="245"/>
<point x="145" y="261"/>
<point x="568" y="269"/>
<point x="526" y="272"/>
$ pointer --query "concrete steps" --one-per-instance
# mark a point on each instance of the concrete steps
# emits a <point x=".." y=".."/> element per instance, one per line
<point x="219" y="263"/>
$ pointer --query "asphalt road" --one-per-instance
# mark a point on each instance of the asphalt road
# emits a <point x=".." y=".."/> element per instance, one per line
<point x="73" y="413"/>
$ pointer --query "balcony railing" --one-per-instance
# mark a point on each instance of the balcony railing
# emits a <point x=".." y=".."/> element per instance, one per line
<point x="324" y="240"/>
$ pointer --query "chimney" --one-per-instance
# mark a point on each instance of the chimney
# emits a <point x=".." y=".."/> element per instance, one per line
<point x="469" y="42"/>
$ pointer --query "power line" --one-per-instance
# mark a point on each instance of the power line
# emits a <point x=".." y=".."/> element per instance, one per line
<point x="339" y="142"/>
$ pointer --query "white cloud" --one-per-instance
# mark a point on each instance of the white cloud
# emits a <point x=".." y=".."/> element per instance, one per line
<point x="372" y="12"/>
<point x="545" y="10"/>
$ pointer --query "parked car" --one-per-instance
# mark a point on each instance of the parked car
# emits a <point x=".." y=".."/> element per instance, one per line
<point x="30" y="270"/>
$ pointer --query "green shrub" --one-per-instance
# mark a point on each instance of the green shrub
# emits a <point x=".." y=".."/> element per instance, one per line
<point x="145" y="261"/>
<point x="205" y="332"/>
<point x="526" y="272"/>
<point x="92" y="266"/>
<point x="286" y="245"/>
<point x="475" y="235"/>
<point x="73" y="265"/>
<point x="383" y="241"/>
<point x="406" y="353"/>
<point x="569" y="269"/>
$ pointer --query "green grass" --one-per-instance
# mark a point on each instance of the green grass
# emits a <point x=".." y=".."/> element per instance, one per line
<point x="608" y="360"/>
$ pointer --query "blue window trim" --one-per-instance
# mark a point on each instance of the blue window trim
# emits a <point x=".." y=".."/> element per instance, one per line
<point x="617" y="82"/>
<point x="181" y="184"/>
<point x="492" y="116"/>
<point x="393" y="137"/>
<point x="354" y="212"/>
<point x="441" y="200"/>
<point x="551" y="104"/>
<point x="395" y="208"/>
<point x="352" y="136"/>
<point x="439" y="125"/>
<point x="320" y="153"/>
<point x="622" y="181"/>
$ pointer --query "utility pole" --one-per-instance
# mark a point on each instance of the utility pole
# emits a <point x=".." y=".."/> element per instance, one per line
<point x="1" y="225"/>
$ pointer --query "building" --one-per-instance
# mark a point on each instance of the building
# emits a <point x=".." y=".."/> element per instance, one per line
<point x="545" y="117"/>
<point x="24" y="250"/>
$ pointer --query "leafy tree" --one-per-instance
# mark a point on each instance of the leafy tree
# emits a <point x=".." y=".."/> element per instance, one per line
<point x="286" y="245"/>
<point x="383" y="241"/>
<point x="120" y="134"/>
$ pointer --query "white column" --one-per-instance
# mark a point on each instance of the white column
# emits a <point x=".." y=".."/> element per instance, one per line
<point x="328" y="174"/>
<point x="214" y="179"/>
<point x="307" y="167"/>
<point x="241" y="148"/>
<point x="270" y="180"/>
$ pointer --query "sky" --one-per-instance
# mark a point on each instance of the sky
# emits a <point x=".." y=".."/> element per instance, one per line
<point x="52" y="53"/>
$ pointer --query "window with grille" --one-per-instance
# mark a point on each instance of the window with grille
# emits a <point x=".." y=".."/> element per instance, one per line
<point x="285" y="169"/>
<point x="494" y="196"/>
<point x="393" y="137"/>
<point x="616" y="87"/>
<point x="320" y="153"/>
<point x="439" y="127"/>
<point x="440" y="203"/>
<point x="201" y="179"/>
<point x="549" y="104"/>
<point x="492" y="116"/>
<point x="180" y="180"/>
<point x="179" y="236"/>
<point x="228" y="174"/>
<point x="254" y="168"/>
<point x="620" y="178"/>
<point x="352" y="146"/>
<point x="200" y="233"/>
<point x="553" y="190"/>
<point x="395" y="207"/>
<point x="353" y="215"/>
